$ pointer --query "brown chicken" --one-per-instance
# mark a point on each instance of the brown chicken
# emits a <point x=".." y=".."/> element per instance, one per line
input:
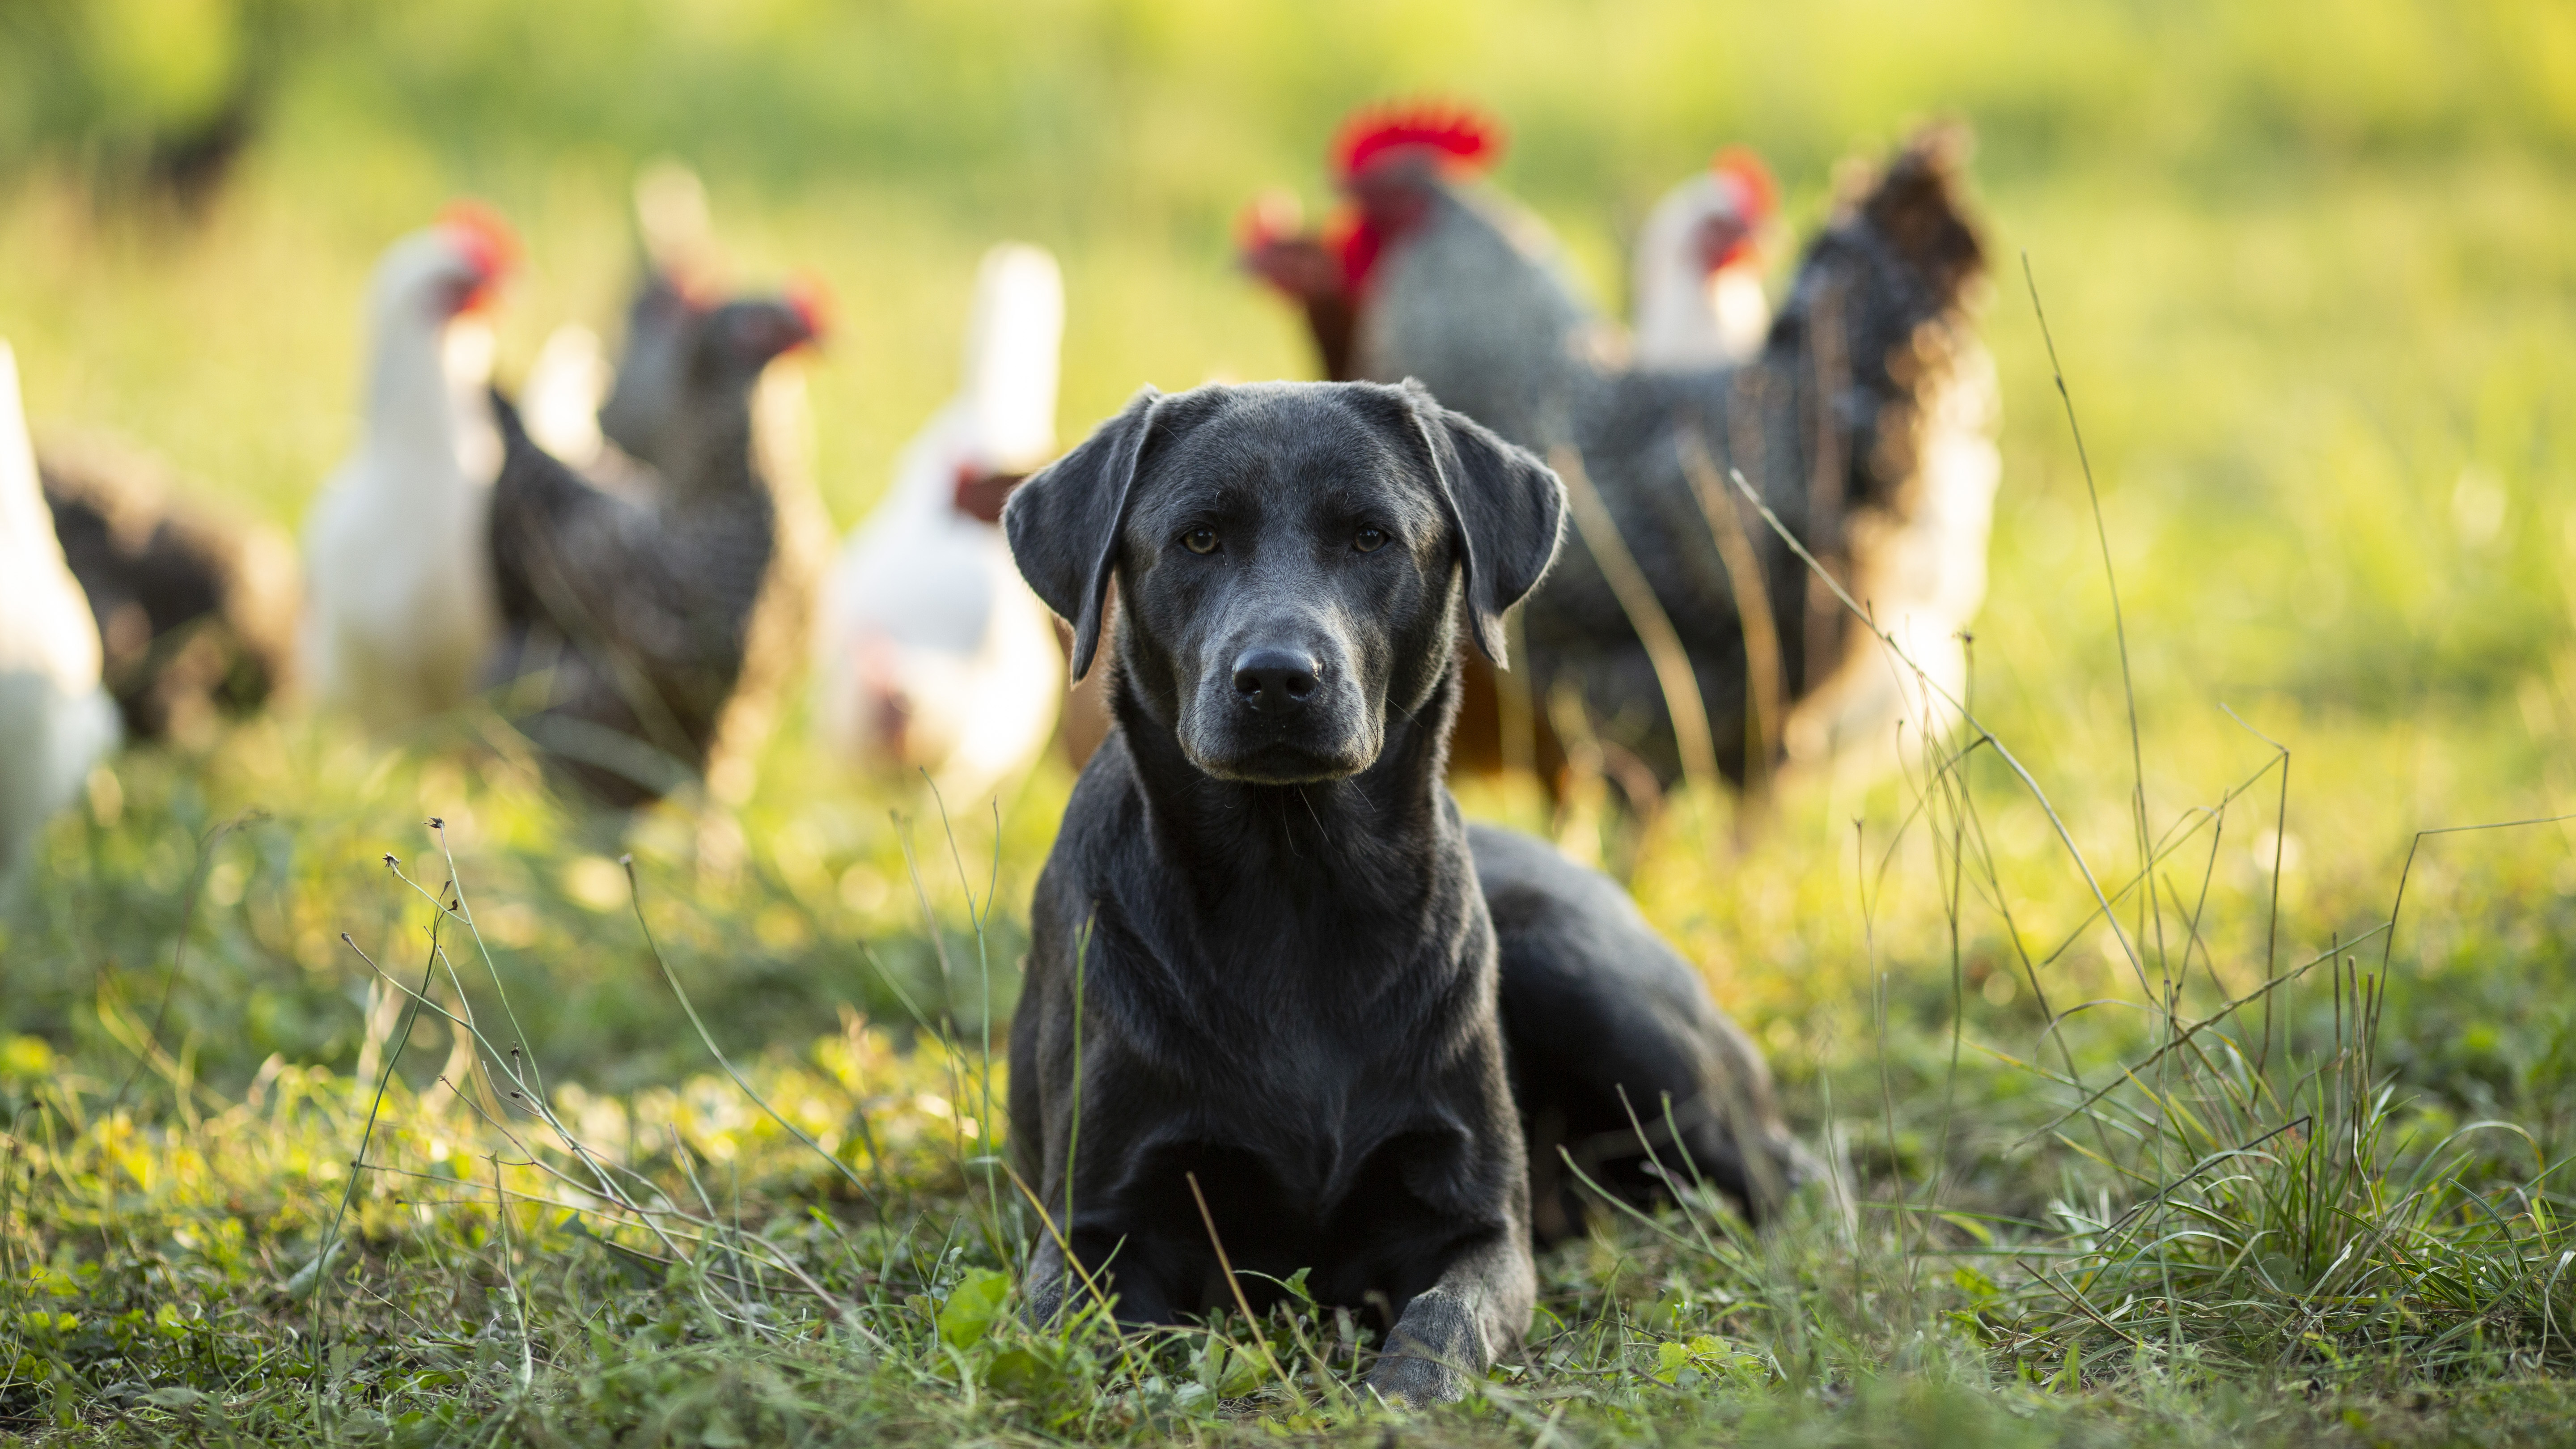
<point x="196" y="615"/>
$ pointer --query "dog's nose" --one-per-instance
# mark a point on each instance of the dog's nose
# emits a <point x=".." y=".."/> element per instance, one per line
<point x="1278" y="679"/>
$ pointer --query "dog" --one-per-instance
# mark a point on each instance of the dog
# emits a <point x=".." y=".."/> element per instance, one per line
<point x="1283" y="1008"/>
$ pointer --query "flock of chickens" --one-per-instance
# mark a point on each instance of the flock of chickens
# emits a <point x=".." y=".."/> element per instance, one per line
<point x="630" y="562"/>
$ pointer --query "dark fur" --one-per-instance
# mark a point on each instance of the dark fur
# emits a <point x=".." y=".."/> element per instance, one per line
<point x="1620" y="1059"/>
<point x="1286" y="976"/>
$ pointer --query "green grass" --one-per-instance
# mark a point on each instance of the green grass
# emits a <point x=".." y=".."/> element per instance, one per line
<point x="2308" y="281"/>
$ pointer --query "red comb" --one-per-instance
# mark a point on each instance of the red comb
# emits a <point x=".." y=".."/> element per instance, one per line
<point x="487" y="240"/>
<point x="1463" y="136"/>
<point x="810" y="298"/>
<point x="1761" y="196"/>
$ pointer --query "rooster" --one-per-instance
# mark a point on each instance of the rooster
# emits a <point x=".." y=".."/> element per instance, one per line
<point x="1698" y="274"/>
<point x="56" y="719"/>
<point x="1865" y="423"/>
<point x="1329" y="273"/>
<point x="629" y="615"/>
<point x="401" y="609"/>
<point x="934" y="654"/>
<point x="196" y="614"/>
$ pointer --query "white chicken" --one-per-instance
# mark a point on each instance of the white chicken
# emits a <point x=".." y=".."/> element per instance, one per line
<point x="55" y="719"/>
<point x="1698" y="271"/>
<point x="400" y="578"/>
<point x="933" y="654"/>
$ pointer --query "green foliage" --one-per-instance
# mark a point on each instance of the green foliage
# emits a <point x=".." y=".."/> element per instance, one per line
<point x="972" y="1307"/>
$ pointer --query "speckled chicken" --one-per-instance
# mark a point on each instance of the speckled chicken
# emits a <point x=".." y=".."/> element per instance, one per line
<point x="628" y="614"/>
<point x="607" y="423"/>
<point x="1865" y="422"/>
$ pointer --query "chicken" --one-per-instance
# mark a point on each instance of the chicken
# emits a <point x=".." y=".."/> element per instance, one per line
<point x="1326" y="272"/>
<point x="56" y="718"/>
<point x="401" y="608"/>
<point x="1698" y="274"/>
<point x="196" y="614"/>
<point x="934" y="654"/>
<point x="628" y="616"/>
<point x="1865" y="423"/>
<point x="607" y="424"/>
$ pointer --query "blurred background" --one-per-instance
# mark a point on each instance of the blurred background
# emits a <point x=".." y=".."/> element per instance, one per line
<point x="2307" y="269"/>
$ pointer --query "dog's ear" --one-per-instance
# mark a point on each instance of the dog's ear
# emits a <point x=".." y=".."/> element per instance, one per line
<point x="1507" y="506"/>
<point x="1063" y="522"/>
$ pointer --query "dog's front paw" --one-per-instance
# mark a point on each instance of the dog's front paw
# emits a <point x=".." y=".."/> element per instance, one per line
<point x="1407" y="1382"/>
<point x="1434" y="1347"/>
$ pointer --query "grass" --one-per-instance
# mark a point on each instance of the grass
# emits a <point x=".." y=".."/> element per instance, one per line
<point x="2234" y="1236"/>
<point x="2261" y="1153"/>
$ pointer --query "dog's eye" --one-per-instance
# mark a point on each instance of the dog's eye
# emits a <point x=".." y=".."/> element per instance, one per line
<point x="1369" y="540"/>
<point x="1199" y="540"/>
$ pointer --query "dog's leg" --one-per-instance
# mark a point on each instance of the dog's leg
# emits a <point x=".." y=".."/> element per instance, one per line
<point x="1454" y="1330"/>
<point x="1132" y="1279"/>
<point x="1044" y="1288"/>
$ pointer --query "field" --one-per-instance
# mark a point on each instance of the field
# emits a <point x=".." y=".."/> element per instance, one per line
<point x="2197" y="1078"/>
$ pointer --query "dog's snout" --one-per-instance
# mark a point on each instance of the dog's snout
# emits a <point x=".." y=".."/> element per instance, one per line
<point x="1275" y="679"/>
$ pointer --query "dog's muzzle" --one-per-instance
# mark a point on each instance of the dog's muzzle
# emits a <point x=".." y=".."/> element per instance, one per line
<point x="1277" y="712"/>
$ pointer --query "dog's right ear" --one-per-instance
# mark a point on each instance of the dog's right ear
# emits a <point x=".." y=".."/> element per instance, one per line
<point x="1063" y="522"/>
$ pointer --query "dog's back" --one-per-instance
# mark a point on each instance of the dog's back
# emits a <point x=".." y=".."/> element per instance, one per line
<point x="1619" y="1055"/>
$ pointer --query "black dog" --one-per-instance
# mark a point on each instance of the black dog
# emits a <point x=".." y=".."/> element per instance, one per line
<point x="1262" y="1004"/>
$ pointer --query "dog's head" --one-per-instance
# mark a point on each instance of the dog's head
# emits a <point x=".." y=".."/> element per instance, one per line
<point x="1292" y="558"/>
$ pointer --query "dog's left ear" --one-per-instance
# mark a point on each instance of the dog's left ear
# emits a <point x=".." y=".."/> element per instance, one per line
<point x="1063" y="522"/>
<point x="1507" y="506"/>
